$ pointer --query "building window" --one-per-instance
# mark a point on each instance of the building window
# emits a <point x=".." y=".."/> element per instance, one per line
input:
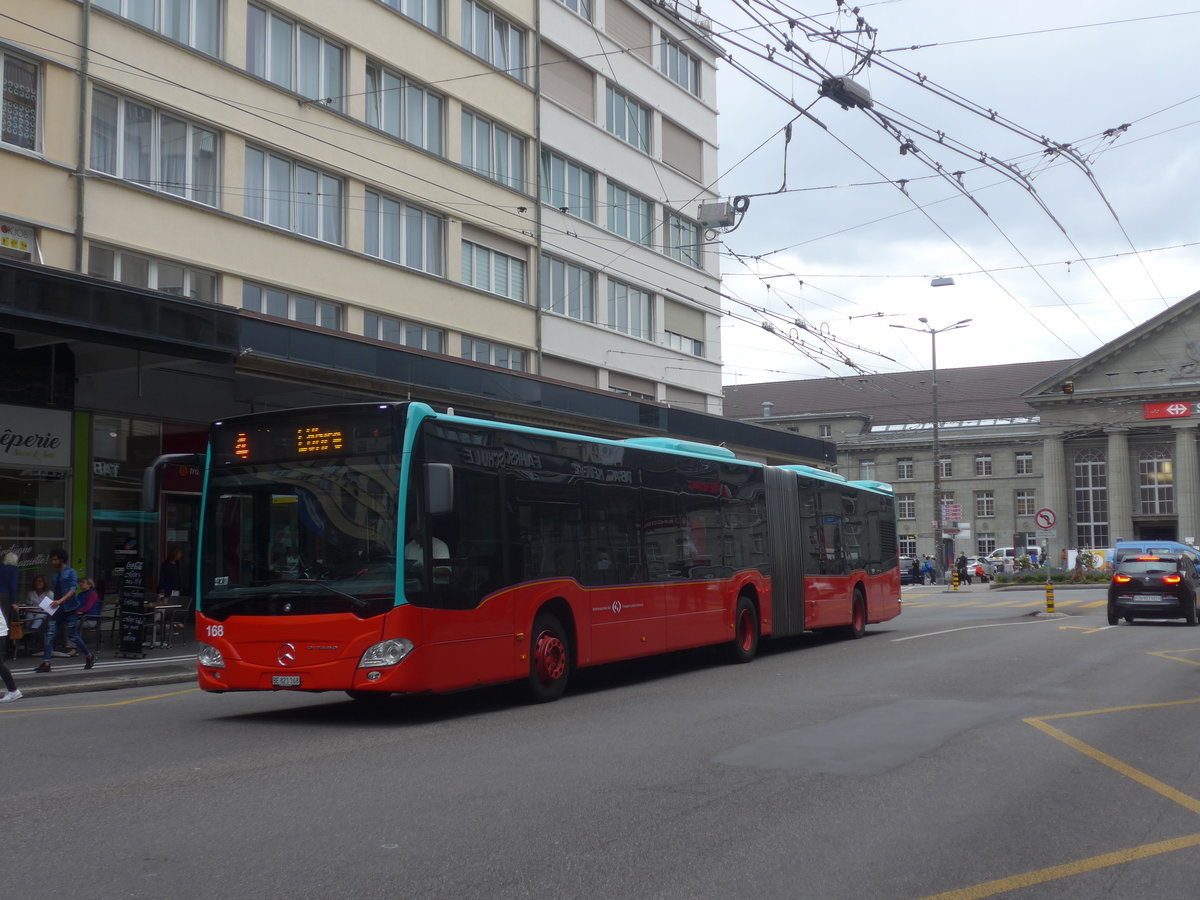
<point x="1024" y="463"/>
<point x="626" y="392"/>
<point x="404" y="234"/>
<point x="904" y="468"/>
<point x="293" y="196"/>
<point x="683" y="343"/>
<point x="824" y="431"/>
<point x="907" y="544"/>
<point x="294" y="57"/>
<point x="404" y="109"/>
<point x="945" y="467"/>
<point x="19" y="102"/>
<point x="492" y="151"/>
<point x="629" y="309"/>
<point x="1156" y="482"/>
<point x="491" y="37"/>
<point x="983" y="464"/>
<point x="493" y="354"/>
<point x="627" y="119"/>
<point x="683" y="240"/>
<point x="408" y="334"/>
<point x="1026" y="504"/>
<point x="579" y="7"/>
<point x="153" y="148"/>
<point x="630" y="215"/>
<point x="866" y="469"/>
<point x="275" y="302"/>
<point x="426" y="12"/>
<point x="1090" y="471"/>
<point x="680" y="66"/>
<point x="906" y="506"/>
<point x="985" y="504"/>
<point x="196" y="23"/>
<point x="567" y="289"/>
<point x="490" y="270"/>
<point x="155" y="274"/>
<point x="568" y="186"/>
<point x="985" y="543"/>
<point x="1027" y="539"/>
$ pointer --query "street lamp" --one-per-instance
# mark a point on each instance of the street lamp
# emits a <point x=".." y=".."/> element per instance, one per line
<point x="939" y="538"/>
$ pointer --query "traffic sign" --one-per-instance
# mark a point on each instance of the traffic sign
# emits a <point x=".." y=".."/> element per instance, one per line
<point x="1045" y="518"/>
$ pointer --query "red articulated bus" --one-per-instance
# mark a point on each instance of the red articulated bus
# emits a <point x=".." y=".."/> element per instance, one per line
<point x="387" y="548"/>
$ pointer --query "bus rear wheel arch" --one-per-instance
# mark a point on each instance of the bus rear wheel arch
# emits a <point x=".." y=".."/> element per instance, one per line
<point x="549" y="658"/>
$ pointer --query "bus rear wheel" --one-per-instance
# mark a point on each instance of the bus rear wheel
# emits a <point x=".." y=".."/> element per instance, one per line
<point x="549" y="659"/>
<point x="858" y="618"/>
<point x="745" y="630"/>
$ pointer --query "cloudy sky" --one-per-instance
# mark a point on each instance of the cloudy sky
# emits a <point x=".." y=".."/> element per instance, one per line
<point x="1052" y="255"/>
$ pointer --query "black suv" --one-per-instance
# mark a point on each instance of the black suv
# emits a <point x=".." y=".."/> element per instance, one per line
<point x="1153" y="587"/>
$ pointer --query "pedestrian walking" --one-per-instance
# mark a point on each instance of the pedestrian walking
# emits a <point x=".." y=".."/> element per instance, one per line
<point x="963" y="575"/>
<point x="10" y="686"/>
<point x="65" y="611"/>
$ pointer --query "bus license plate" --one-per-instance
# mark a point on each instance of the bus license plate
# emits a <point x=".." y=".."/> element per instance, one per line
<point x="285" y="681"/>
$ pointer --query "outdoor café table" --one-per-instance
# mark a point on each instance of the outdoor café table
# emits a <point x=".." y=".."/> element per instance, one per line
<point x="161" y="632"/>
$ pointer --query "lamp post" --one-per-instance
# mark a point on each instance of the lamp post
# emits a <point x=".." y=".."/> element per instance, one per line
<point x="938" y="538"/>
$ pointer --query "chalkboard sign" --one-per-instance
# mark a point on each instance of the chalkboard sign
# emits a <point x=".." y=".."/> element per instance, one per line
<point x="133" y="607"/>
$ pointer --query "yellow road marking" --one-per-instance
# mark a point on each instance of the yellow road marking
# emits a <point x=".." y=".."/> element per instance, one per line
<point x="1104" y="860"/>
<point x="1167" y="654"/>
<point x="1053" y="873"/>
<point x="1085" y="629"/>
<point x="1095" y="604"/>
<point x="24" y="708"/>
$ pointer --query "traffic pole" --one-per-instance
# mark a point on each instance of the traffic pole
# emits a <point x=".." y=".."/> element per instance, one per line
<point x="1049" y="597"/>
<point x="955" y="580"/>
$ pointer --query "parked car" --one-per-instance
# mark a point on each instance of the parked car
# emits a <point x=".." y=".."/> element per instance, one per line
<point x="906" y="571"/>
<point x="981" y="567"/>
<point x="1153" y="587"/>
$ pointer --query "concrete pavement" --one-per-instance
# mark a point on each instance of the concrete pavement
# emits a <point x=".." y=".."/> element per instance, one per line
<point x="175" y="664"/>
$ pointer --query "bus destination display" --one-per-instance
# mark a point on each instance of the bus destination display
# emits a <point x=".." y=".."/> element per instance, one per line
<point x="302" y="438"/>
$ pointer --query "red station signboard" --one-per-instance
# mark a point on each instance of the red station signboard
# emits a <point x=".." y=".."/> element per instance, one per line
<point x="1176" y="409"/>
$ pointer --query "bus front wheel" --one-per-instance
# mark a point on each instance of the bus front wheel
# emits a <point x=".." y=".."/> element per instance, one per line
<point x="745" y="630"/>
<point x="549" y="659"/>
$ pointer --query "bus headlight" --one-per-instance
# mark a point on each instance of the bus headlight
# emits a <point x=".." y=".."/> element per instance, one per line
<point x="387" y="653"/>
<point x="210" y="656"/>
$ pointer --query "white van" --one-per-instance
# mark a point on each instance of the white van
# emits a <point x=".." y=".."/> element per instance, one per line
<point x="1005" y="558"/>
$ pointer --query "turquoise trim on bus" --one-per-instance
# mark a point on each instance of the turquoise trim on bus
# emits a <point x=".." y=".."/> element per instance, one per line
<point x="197" y="587"/>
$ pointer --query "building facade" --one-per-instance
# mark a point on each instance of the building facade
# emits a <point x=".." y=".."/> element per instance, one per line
<point x="1062" y="455"/>
<point x="219" y="206"/>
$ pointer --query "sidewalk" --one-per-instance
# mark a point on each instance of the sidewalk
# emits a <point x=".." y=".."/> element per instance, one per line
<point x="175" y="664"/>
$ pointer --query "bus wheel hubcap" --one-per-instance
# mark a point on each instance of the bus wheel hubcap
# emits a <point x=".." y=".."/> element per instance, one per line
<point x="550" y="657"/>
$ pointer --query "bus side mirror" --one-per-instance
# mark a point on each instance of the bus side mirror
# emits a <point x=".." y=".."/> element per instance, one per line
<point x="439" y="488"/>
<point x="152" y="476"/>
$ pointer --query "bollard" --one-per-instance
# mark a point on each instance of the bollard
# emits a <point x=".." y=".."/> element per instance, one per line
<point x="954" y="581"/>
<point x="1049" y="597"/>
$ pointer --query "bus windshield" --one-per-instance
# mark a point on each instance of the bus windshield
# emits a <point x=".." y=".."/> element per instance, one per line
<point x="291" y="538"/>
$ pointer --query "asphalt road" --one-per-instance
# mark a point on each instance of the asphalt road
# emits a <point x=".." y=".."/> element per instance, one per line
<point x="966" y="749"/>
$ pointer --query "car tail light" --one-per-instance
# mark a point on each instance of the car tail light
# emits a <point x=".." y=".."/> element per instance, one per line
<point x="1122" y="579"/>
<point x="1171" y="579"/>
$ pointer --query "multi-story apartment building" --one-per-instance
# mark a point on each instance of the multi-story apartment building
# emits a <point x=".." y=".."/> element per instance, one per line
<point x="1065" y="454"/>
<point x="213" y="206"/>
<point x="627" y="119"/>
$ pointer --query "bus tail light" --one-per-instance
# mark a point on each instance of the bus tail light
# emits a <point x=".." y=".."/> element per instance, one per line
<point x="210" y="657"/>
<point x="386" y="653"/>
